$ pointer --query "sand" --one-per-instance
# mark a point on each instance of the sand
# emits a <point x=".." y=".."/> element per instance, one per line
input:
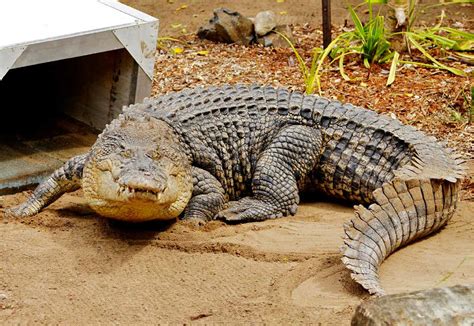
<point x="69" y="266"/>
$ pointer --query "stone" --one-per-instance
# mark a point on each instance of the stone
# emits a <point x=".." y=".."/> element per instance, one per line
<point x="265" y="22"/>
<point x="228" y="26"/>
<point x="274" y="39"/>
<point x="439" y="306"/>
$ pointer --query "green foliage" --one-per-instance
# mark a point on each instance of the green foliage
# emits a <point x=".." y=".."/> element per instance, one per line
<point x="443" y="38"/>
<point x="424" y="39"/>
<point x="309" y="74"/>
<point x="371" y="41"/>
<point x="393" y="69"/>
<point x="413" y="10"/>
<point x="471" y="107"/>
<point x="414" y="39"/>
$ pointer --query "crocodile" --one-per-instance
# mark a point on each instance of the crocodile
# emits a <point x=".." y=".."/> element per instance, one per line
<point x="245" y="153"/>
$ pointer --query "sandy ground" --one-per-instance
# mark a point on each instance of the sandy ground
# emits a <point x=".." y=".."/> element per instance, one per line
<point x="176" y="15"/>
<point x="68" y="266"/>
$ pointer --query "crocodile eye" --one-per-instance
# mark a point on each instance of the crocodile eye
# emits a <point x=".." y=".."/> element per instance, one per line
<point x="155" y="155"/>
<point x="126" y="153"/>
<point x="174" y="171"/>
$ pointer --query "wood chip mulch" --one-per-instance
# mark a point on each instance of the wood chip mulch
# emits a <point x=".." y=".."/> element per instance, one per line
<point x="434" y="101"/>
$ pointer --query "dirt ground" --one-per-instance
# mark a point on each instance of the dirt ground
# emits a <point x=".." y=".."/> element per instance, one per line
<point x="176" y="15"/>
<point x="69" y="266"/>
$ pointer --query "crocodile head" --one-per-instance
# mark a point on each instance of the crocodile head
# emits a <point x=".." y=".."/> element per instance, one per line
<point x="138" y="171"/>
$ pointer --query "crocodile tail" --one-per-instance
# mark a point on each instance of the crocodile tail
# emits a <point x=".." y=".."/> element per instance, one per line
<point x="404" y="210"/>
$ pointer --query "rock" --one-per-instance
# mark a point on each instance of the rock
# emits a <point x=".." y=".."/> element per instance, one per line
<point x="265" y="21"/>
<point x="441" y="306"/>
<point x="275" y="40"/>
<point x="228" y="26"/>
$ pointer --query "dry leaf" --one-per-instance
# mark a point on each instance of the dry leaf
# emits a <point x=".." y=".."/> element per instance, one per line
<point x="202" y="52"/>
<point x="177" y="50"/>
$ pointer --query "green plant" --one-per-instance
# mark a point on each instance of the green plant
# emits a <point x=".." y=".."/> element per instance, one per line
<point x="437" y="37"/>
<point x="309" y="74"/>
<point x="423" y="40"/>
<point x="413" y="10"/>
<point x="371" y="41"/>
<point x="471" y="107"/>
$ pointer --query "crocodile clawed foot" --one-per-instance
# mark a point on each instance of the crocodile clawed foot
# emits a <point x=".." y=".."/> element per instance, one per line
<point x="22" y="210"/>
<point x="194" y="222"/>
<point x="248" y="209"/>
<point x="195" y="217"/>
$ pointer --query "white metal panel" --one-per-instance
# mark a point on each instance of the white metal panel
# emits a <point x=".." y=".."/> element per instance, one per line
<point x="32" y="21"/>
<point x="8" y="57"/>
<point x="140" y="41"/>
<point x="50" y="30"/>
<point x="67" y="48"/>
<point x="128" y="10"/>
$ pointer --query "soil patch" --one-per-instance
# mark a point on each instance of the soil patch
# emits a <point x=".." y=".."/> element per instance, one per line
<point x="68" y="266"/>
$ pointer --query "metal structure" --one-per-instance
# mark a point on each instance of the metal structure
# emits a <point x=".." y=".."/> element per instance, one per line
<point x="66" y="69"/>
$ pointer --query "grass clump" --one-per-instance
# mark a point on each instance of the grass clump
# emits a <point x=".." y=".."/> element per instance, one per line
<point x="371" y="42"/>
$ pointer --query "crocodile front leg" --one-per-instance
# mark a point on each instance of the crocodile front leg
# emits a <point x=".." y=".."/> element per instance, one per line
<point x="290" y="156"/>
<point x="65" y="179"/>
<point x="208" y="196"/>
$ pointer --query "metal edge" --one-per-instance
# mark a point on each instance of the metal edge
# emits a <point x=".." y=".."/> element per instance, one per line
<point x="8" y="57"/>
<point x="60" y="49"/>
<point x="128" y="10"/>
<point x="64" y="37"/>
<point x="140" y="42"/>
<point x="142" y="17"/>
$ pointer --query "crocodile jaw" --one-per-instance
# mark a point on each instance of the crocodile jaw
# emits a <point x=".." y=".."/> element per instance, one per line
<point x="137" y="211"/>
<point x="137" y="205"/>
<point x="138" y="171"/>
<point x="120" y="202"/>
